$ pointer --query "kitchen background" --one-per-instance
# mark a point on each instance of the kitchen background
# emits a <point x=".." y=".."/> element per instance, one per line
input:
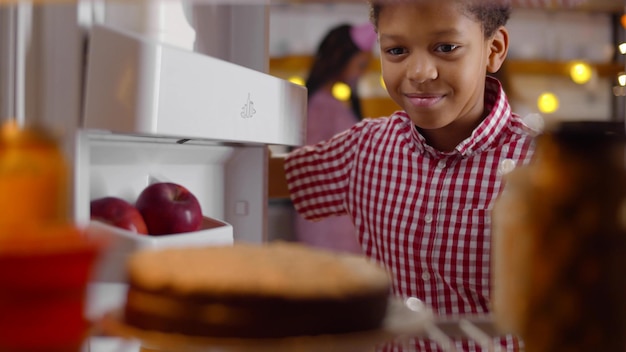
<point x="45" y="61"/>
<point x="546" y="44"/>
<point x="546" y="41"/>
<point x="538" y="37"/>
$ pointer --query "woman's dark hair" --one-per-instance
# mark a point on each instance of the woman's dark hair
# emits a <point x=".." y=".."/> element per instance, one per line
<point x="332" y="56"/>
<point x="492" y="14"/>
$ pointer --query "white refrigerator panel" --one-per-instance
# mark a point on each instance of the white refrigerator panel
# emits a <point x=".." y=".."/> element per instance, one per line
<point x="139" y="86"/>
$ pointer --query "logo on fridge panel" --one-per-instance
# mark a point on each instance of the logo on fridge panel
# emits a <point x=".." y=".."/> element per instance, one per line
<point x="248" y="109"/>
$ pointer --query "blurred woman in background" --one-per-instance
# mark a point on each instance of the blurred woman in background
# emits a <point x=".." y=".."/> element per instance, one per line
<point x="342" y="56"/>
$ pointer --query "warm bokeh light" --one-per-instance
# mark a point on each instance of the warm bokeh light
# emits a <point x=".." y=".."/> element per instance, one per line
<point x="297" y="80"/>
<point x="548" y="103"/>
<point x="621" y="79"/>
<point x="341" y="91"/>
<point x="580" y="72"/>
<point x="623" y="20"/>
<point x="622" y="48"/>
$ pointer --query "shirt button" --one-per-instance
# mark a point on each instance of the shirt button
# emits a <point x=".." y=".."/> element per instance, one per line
<point x="415" y="304"/>
<point x="441" y="164"/>
<point x="428" y="218"/>
<point x="506" y="166"/>
<point x="425" y="276"/>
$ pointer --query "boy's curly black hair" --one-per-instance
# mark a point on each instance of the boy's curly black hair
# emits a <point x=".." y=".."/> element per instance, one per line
<point x="492" y="14"/>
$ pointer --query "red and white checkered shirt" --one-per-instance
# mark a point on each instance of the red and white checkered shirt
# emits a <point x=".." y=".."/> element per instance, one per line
<point x="422" y="213"/>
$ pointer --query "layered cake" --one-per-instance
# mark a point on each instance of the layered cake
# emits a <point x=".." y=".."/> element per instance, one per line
<point x="254" y="291"/>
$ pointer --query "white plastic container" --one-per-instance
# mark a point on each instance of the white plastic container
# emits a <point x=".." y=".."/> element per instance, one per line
<point x="121" y="243"/>
<point x="139" y="86"/>
<point x="230" y="181"/>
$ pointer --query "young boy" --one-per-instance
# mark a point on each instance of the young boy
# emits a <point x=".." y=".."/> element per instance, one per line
<point x="420" y="184"/>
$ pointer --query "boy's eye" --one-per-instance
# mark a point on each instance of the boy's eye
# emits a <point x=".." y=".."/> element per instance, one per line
<point x="396" y="51"/>
<point x="446" y="48"/>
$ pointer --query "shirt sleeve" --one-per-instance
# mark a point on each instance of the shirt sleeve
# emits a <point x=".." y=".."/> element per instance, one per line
<point x="318" y="175"/>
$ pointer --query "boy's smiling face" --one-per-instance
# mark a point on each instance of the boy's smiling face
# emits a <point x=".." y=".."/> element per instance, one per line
<point x="434" y="59"/>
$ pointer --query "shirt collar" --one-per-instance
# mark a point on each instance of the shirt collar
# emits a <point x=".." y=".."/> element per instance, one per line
<point x="499" y="112"/>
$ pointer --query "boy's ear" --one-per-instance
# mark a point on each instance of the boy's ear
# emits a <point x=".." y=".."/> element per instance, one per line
<point x="498" y="48"/>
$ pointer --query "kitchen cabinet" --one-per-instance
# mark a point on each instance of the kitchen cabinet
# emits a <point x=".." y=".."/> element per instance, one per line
<point x="297" y="64"/>
<point x="559" y="68"/>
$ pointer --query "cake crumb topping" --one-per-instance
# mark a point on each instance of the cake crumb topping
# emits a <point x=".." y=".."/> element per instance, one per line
<point x="279" y="269"/>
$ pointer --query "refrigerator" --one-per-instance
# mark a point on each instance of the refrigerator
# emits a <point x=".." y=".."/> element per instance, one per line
<point x="153" y="91"/>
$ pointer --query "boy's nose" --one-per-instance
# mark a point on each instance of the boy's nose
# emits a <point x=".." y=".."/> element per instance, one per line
<point x="420" y="69"/>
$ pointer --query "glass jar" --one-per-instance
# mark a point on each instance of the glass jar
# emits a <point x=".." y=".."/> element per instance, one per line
<point x="46" y="260"/>
<point x="33" y="178"/>
<point x="559" y="242"/>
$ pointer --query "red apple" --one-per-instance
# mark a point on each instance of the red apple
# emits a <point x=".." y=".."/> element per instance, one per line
<point x="119" y="213"/>
<point x="169" y="208"/>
